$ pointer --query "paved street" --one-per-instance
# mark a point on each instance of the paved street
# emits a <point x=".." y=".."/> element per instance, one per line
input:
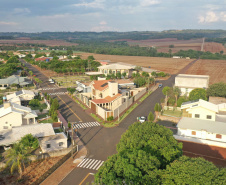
<point x="100" y="142"/>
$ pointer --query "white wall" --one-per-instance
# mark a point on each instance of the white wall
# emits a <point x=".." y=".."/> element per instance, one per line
<point x="54" y="145"/>
<point x="202" y="113"/>
<point x="200" y="134"/>
<point x="13" y="119"/>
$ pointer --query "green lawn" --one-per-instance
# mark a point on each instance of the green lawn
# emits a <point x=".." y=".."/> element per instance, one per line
<point x="49" y="120"/>
<point x="42" y="116"/>
<point x="69" y="81"/>
<point x="96" y="117"/>
<point x="172" y="113"/>
<point x="58" y="130"/>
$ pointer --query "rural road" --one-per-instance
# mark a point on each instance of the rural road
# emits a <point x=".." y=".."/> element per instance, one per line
<point x="100" y="142"/>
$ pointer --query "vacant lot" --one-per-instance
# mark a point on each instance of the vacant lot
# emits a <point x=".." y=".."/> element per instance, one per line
<point x="46" y="42"/>
<point x="168" y="65"/>
<point x="216" y="69"/>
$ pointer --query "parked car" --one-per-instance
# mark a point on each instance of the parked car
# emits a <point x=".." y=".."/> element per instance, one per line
<point x="142" y="119"/>
<point x="52" y="82"/>
<point x="160" y="85"/>
<point x="50" y="79"/>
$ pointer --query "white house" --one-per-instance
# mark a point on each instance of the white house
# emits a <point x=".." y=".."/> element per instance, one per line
<point x="204" y="110"/>
<point x="16" y="133"/>
<point x="21" y="97"/>
<point x="202" y="131"/>
<point x="14" y="115"/>
<point x="116" y="68"/>
<point x="187" y="83"/>
<point x="54" y="142"/>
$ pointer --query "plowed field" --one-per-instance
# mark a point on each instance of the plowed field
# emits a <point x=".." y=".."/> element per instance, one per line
<point x="216" y="69"/>
<point x="168" y="65"/>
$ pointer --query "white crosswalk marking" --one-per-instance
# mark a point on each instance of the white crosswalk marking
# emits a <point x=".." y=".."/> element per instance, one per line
<point x="93" y="164"/>
<point x="49" y="88"/>
<point x="85" y="125"/>
<point x="56" y="93"/>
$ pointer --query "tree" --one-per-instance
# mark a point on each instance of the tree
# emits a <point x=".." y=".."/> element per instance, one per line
<point x="181" y="100"/>
<point x="34" y="103"/>
<point x="140" y="81"/>
<point x="217" y="90"/>
<point x="145" y="74"/>
<point x="188" y="170"/>
<point x="29" y="142"/>
<point x="166" y="91"/>
<point x="151" y="117"/>
<point x="154" y="74"/>
<point x="16" y="158"/>
<point x="124" y="74"/>
<point x="138" y="68"/>
<point x="142" y="151"/>
<point x="157" y="107"/>
<point x="118" y="75"/>
<point x="197" y="94"/>
<point x="69" y="125"/>
<point x="91" y="57"/>
<point x="30" y="73"/>
<point x="176" y="92"/>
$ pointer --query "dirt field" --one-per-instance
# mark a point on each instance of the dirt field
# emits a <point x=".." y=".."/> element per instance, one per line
<point x="162" y="45"/>
<point x="168" y="65"/>
<point x="46" y="42"/>
<point x="214" y="47"/>
<point x="30" y="174"/>
<point x="216" y="69"/>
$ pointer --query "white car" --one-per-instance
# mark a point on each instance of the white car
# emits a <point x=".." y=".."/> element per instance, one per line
<point x="142" y="119"/>
<point x="50" y="79"/>
<point x="52" y="82"/>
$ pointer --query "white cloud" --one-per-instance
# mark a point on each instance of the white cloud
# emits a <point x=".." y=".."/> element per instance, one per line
<point x="94" y="4"/>
<point x="8" y="23"/>
<point x="56" y="16"/>
<point x="149" y="2"/>
<point x="21" y="11"/>
<point x="103" y="23"/>
<point x="211" y="17"/>
<point x="208" y="18"/>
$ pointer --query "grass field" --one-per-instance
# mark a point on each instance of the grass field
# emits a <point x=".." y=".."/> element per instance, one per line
<point x="70" y="81"/>
<point x="172" y="113"/>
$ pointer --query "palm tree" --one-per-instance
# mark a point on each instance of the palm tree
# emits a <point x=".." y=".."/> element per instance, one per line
<point x="176" y="92"/>
<point x="16" y="158"/>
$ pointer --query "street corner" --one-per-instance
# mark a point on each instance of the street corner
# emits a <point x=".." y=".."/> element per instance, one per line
<point x="78" y="160"/>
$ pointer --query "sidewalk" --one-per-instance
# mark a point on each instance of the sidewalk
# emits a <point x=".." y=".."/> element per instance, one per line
<point x="60" y="173"/>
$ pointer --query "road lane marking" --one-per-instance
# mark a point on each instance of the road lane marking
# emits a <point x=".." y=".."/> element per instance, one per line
<point x="70" y="108"/>
<point x="84" y="178"/>
<point x="100" y="165"/>
<point x="93" y="164"/>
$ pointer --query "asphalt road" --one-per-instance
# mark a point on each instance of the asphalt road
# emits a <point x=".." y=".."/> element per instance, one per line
<point x="100" y="142"/>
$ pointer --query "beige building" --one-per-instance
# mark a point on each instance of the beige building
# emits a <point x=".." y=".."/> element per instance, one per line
<point x="14" y="115"/>
<point x="187" y="83"/>
<point x="116" y="68"/>
<point x="204" y="110"/>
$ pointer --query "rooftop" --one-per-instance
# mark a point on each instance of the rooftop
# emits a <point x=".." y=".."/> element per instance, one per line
<point x="199" y="125"/>
<point x="116" y="66"/>
<point x="100" y="84"/>
<point x="54" y="137"/>
<point x="192" y="76"/>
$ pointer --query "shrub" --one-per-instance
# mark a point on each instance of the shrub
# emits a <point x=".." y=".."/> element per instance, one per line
<point x="110" y="118"/>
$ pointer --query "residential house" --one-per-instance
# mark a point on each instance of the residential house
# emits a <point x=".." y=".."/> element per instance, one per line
<point x="202" y="131"/>
<point x="21" y="97"/>
<point x="116" y="68"/>
<point x="83" y="87"/>
<point x="21" y="55"/>
<point x="187" y="83"/>
<point x="106" y="98"/>
<point x="53" y="142"/>
<point x="48" y="140"/>
<point x="16" y="133"/>
<point x="14" y="115"/>
<point x="204" y="110"/>
<point x="43" y="59"/>
<point x="14" y="79"/>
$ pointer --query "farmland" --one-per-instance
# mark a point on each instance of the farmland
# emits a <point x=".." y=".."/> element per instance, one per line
<point x="216" y="69"/>
<point x="28" y="41"/>
<point x="168" y="65"/>
<point x="162" y="45"/>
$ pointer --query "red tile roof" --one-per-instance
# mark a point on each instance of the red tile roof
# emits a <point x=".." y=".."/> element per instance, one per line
<point x="100" y="84"/>
<point x="107" y="99"/>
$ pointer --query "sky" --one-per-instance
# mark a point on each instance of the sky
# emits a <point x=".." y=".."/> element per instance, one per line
<point x="111" y="15"/>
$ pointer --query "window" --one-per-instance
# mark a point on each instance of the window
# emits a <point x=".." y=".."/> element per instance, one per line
<point x="196" y="115"/>
<point x="218" y="136"/>
<point x="208" y="117"/>
<point x="61" y="143"/>
<point x="193" y="133"/>
<point x="48" y="146"/>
